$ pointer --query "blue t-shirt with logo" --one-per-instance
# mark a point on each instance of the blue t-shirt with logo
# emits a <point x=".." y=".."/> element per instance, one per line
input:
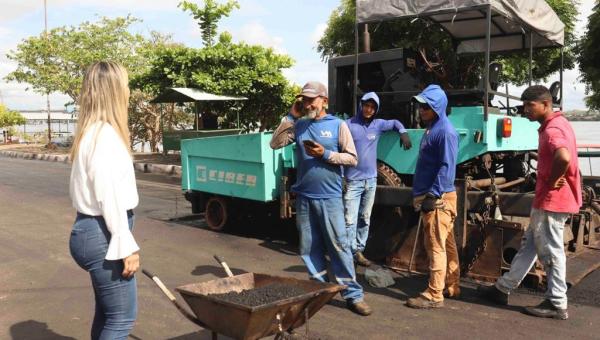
<point x="315" y="177"/>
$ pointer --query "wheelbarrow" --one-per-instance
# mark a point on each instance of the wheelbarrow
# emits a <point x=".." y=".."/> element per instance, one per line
<point x="240" y="321"/>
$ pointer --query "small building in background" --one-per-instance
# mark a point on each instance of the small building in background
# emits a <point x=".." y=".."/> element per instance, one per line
<point x="35" y="130"/>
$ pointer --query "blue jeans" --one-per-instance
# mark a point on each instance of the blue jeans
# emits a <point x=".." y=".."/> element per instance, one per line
<point x="323" y="232"/>
<point x="358" y="203"/>
<point x="543" y="238"/>
<point x="116" y="297"/>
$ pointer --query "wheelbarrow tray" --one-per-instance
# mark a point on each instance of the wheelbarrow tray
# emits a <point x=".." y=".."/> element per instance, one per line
<point x="244" y="322"/>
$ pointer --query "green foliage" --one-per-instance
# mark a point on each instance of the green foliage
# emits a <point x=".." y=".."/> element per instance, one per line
<point x="9" y="118"/>
<point x="56" y="63"/>
<point x="589" y="58"/>
<point x="436" y="45"/>
<point x="254" y="72"/>
<point x="545" y="61"/>
<point x="209" y="16"/>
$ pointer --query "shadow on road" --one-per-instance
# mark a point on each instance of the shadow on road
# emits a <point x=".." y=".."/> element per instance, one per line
<point x="200" y="335"/>
<point x="217" y="271"/>
<point x="34" y="330"/>
<point x="296" y="269"/>
<point x="283" y="247"/>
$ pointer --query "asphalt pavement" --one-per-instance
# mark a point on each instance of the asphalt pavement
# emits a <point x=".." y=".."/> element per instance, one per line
<point x="45" y="295"/>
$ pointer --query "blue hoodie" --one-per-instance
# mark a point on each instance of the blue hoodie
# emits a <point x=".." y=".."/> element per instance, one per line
<point x="436" y="166"/>
<point x="366" y="136"/>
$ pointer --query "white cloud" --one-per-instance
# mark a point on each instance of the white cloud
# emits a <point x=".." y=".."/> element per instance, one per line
<point x="14" y="9"/>
<point x="304" y="71"/>
<point x="317" y="34"/>
<point x="585" y="9"/>
<point x="254" y="33"/>
<point x="251" y="8"/>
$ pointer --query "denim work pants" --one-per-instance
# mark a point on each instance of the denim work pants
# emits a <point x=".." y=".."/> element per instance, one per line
<point x="116" y="297"/>
<point x="323" y="232"/>
<point x="543" y="238"/>
<point x="358" y="203"/>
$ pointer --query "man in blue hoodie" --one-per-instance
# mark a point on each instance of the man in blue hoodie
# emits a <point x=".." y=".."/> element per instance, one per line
<point x="323" y="145"/>
<point x="435" y="196"/>
<point x="361" y="181"/>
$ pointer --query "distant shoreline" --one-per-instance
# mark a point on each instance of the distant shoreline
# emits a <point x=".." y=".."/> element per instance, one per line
<point x="583" y="119"/>
<point x="582" y="116"/>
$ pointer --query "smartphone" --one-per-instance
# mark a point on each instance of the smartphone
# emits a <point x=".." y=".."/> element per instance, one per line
<point x="309" y="143"/>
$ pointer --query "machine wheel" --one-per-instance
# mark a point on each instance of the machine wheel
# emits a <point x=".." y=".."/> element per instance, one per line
<point x="216" y="213"/>
<point x="387" y="176"/>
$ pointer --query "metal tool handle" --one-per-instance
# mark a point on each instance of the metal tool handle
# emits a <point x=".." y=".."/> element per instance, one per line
<point x="224" y="265"/>
<point x="171" y="297"/>
<point x="414" y="248"/>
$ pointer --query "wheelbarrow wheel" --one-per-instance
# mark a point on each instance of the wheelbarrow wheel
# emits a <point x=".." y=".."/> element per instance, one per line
<point x="217" y="214"/>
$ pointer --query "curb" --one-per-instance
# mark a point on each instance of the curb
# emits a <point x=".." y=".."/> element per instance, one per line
<point x="163" y="169"/>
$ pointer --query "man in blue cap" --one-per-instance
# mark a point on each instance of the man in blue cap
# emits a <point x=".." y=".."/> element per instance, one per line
<point x="323" y="145"/>
<point x="435" y="197"/>
<point x="361" y="181"/>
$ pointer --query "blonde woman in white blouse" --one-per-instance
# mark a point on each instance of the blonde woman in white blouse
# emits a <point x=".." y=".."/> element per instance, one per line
<point x="103" y="191"/>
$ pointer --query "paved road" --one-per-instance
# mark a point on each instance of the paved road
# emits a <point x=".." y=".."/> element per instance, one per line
<point x="44" y="295"/>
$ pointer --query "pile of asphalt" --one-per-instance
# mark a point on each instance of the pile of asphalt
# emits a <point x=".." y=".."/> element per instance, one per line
<point x="262" y="295"/>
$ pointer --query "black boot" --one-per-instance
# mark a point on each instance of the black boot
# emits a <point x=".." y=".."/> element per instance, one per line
<point x="547" y="310"/>
<point x="493" y="294"/>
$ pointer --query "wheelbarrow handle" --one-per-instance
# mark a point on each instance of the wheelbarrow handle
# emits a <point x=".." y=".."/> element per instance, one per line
<point x="172" y="298"/>
<point x="224" y="265"/>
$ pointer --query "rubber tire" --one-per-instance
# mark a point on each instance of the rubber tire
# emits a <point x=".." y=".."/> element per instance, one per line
<point x="217" y="213"/>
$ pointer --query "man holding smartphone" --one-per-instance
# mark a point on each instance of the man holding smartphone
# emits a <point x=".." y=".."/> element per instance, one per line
<point x="323" y="145"/>
<point x="361" y="181"/>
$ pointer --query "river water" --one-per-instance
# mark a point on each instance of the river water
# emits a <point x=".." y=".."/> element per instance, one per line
<point x="588" y="133"/>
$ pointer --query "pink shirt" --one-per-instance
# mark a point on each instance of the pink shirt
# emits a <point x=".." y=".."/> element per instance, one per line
<point x="556" y="133"/>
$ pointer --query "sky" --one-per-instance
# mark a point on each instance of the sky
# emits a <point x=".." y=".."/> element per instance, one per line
<point x="288" y="26"/>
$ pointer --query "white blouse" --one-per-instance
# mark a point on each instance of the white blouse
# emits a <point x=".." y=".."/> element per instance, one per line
<point x="103" y="183"/>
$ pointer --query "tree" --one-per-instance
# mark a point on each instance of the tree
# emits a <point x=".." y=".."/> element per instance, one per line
<point x="437" y="48"/>
<point x="58" y="63"/>
<point x="226" y="68"/>
<point x="209" y="16"/>
<point x="146" y="120"/>
<point x="589" y="57"/>
<point x="9" y="118"/>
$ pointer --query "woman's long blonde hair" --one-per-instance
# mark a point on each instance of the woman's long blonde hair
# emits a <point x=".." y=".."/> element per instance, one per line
<point x="104" y="97"/>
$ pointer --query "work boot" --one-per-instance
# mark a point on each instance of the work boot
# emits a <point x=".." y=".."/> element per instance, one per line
<point x="547" y="310"/>
<point x="360" y="308"/>
<point x="493" y="294"/>
<point x="452" y="292"/>
<point x="361" y="259"/>
<point x="421" y="302"/>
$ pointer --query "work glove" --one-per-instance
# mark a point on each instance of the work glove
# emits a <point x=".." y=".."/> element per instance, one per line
<point x="405" y="140"/>
<point x="429" y="203"/>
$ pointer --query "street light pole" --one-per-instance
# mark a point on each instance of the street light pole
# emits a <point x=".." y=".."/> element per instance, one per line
<point x="47" y="94"/>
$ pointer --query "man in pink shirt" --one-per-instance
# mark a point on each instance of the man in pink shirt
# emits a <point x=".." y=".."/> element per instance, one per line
<point x="557" y="195"/>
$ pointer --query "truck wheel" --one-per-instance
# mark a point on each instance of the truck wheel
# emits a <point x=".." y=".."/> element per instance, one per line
<point x="216" y="214"/>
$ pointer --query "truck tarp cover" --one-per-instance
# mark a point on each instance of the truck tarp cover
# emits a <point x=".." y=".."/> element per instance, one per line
<point x="465" y="20"/>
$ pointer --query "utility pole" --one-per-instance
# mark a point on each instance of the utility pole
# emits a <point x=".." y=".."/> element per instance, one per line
<point x="47" y="94"/>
